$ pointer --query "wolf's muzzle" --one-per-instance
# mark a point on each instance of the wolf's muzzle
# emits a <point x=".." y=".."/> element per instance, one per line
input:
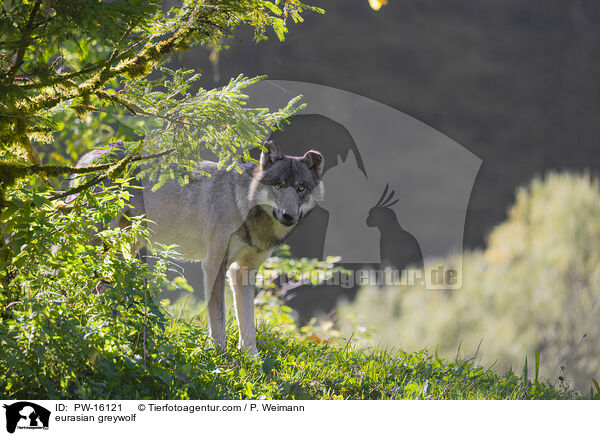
<point x="284" y="218"/>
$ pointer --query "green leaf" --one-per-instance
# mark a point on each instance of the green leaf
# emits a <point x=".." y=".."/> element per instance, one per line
<point x="597" y="386"/>
<point x="267" y="366"/>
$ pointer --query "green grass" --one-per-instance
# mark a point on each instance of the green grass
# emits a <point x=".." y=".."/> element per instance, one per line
<point x="52" y="354"/>
<point x="292" y="368"/>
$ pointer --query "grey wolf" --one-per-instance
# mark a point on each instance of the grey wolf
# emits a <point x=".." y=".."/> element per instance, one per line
<point x="231" y="222"/>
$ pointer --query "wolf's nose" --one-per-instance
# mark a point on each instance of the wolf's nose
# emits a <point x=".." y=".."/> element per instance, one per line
<point x="287" y="217"/>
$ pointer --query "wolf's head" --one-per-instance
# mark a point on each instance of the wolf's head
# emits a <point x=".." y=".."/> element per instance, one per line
<point x="287" y="186"/>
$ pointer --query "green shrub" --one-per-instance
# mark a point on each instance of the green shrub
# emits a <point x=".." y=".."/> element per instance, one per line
<point x="535" y="287"/>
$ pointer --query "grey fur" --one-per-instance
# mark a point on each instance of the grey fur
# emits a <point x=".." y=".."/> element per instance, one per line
<point x="231" y="222"/>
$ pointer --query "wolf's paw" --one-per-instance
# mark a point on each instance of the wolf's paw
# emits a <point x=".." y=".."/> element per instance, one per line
<point x="252" y="352"/>
<point x="220" y="345"/>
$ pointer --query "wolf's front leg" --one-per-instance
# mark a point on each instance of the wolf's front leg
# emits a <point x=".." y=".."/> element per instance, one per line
<point x="214" y="285"/>
<point x="242" y="282"/>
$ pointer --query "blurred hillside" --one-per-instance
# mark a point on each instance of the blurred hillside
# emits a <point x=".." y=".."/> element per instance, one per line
<point x="513" y="81"/>
<point x="535" y="287"/>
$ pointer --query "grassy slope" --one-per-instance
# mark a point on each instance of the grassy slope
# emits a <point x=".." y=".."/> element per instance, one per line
<point x="295" y="368"/>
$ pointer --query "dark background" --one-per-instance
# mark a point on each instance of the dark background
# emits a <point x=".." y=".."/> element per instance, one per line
<point x="513" y="81"/>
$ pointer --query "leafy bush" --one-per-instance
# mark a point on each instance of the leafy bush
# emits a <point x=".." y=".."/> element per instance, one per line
<point x="535" y="287"/>
<point x="54" y="330"/>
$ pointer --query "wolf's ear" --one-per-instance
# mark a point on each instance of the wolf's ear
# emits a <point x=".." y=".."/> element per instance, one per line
<point x="270" y="156"/>
<point x="315" y="162"/>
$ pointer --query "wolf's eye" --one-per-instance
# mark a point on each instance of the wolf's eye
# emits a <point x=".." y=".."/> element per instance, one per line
<point x="301" y="188"/>
<point x="277" y="185"/>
